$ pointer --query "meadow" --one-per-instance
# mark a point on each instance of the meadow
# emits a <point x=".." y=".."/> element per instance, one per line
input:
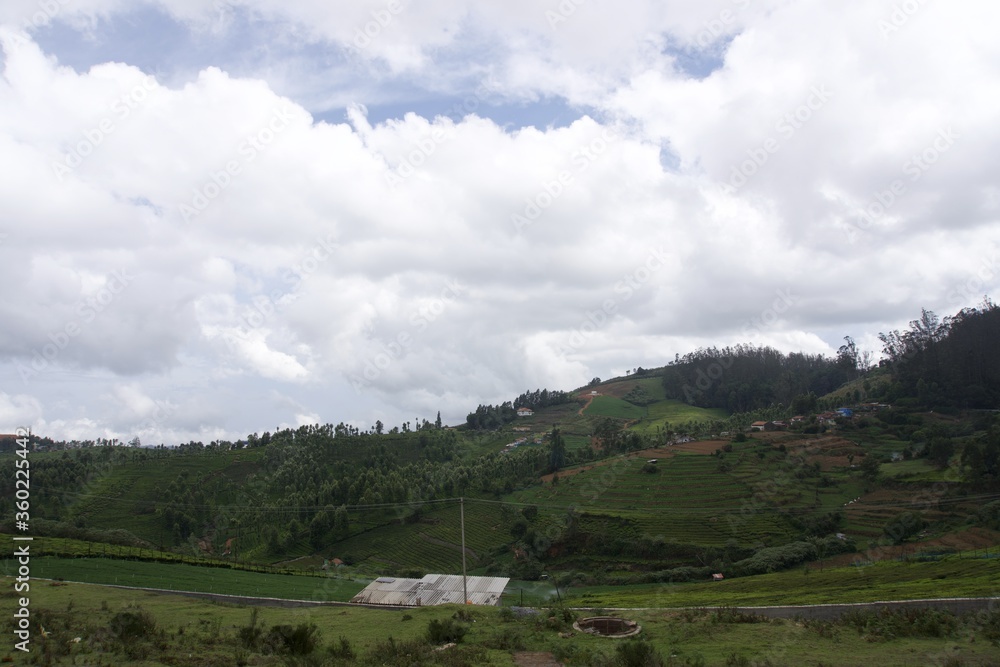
<point x="85" y="624"/>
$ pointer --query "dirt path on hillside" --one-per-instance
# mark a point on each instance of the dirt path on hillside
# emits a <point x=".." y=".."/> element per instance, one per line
<point x="590" y="398"/>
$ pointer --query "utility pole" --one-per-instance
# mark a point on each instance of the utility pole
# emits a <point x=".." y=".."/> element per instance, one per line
<point x="465" y="587"/>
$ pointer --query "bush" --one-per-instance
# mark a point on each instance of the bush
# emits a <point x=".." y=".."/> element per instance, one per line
<point x="637" y="653"/>
<point x="298" y="640"/>
<point x="133" y="624"/>
<point x="773" y="559"/>
<point x="886" y="624"/>
<point x="733" y="615"/>
<point x="507" y="639"/>
<point x="443" y="632"/>
<point x="250" y="635"/>
<point x="342" y="649"/>
<point x="391" y="652"/>
<point x="991" y="626"/>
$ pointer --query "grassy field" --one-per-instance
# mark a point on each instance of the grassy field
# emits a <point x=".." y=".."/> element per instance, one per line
<point x="433" y="544"/>
<point x="127" y="495"/>
<point x="609" y="406"/>
<point x="886" y="580"/>
<point x="687" y="500"/>
<point x="675" y="413"/>
<point x="194" y="633"/>
<point x="180" y="577"/>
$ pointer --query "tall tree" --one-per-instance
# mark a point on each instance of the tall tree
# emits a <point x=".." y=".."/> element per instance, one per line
<point x="557" y="450"/>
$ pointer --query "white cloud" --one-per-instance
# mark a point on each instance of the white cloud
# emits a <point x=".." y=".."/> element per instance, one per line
<point x="373" y="269"/>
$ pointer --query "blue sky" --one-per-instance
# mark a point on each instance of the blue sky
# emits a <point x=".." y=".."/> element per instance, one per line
<point x="215" y="222"/>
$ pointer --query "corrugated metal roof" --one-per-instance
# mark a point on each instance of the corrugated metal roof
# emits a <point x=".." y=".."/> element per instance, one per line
<point x="431" y="590"/>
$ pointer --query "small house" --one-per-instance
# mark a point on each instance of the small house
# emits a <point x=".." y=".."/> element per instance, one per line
<point x="718" y="576"/>
<point x="758" y="426"/>
<point x="525" y="412"/>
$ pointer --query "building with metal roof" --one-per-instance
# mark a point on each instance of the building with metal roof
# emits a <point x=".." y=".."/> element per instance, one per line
<point x="431" y="590"/>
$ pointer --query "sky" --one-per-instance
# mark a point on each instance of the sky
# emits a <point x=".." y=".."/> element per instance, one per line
<point x="219" y="218"/>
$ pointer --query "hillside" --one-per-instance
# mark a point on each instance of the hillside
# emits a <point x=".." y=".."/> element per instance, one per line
<point x="615" y="483"/>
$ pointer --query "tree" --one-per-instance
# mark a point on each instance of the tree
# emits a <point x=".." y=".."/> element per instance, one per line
<point x="378" y="426"/>
<point x="870" y="468"/>
<point x="557" y="451"/>
<point x="972" y="462"/>
<point x="437" y="422"/>
<point x="940" y="451"/>
<point x="904" y="526"/>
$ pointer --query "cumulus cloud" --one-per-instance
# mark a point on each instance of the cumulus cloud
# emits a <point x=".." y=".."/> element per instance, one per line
<point x="205" y="256"/>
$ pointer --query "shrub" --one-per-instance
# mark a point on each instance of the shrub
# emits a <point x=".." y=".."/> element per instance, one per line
<point x="298" y="640"/>
<point x="637" y="653"/>
<point x="250" y="635"/>
<point x="773" y="559"/>
<point x="442" y="632"/>
<point x="888" y="624"/>
<point x="131" y="624"/>
<point x="342" y="649"/>
<point x="507" y="639"/>
<point x="733" y="615"/>
<point x="391" y="652"/>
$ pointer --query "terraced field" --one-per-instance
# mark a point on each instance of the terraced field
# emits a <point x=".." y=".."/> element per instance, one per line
<point x="688" y="500"/>
<point x="127" y="495"/>
<point x="609" y="406"/>
<point x="433" y="544"/>
<point x="675" y="413"/>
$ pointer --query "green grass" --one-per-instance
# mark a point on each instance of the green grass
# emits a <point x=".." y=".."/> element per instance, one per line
<point x="886" y="580"/>
<point x="203" y="634"/>
<point x="127" y="496"/>
<point x="609" y="406"/>
<point x="688" y="501"/>
<point x="419" y="545"/>
<point x="674" y="413"/>
<point x="917" y="470"/>
<point x="181" y="577"/>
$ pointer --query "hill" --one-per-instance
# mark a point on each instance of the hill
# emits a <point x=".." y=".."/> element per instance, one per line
<point x="616" y="483"/>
